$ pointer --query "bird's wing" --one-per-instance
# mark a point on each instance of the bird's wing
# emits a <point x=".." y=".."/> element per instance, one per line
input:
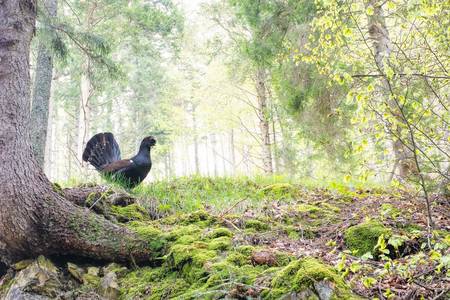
<point x="117" y="165"/>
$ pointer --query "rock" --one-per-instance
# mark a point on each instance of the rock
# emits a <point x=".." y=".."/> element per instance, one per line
<point x="90" y="279"/>
<point x="324" y="289"/>
<point x="114" y="267"/>
<point x="109" y="287"/>
<point x="264" y="258"/>
<point x="75" y="271"/>
<point x="22" y="264"/>
<point x="93" y="271"/>
<point x="38" y="281"/>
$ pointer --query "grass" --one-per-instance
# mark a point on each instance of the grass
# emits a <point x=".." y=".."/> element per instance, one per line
<point x="188" y="194"/>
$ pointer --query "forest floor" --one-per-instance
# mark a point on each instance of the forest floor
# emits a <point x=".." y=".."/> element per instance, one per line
<point x="272" y="239"/>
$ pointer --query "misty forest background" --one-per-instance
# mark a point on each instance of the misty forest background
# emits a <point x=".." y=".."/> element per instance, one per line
<point x="317" y="90"/>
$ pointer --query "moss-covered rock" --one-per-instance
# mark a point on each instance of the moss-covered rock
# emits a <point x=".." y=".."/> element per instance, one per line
<point x="22" y="264"/>
<point x="362" y="238"/>
<point x="302" y="276"/>
<point x="280" y="190"/>
<point x="221" y="231"/>
<point x="75" y="271"/>
<point x="191" y="259"/>
<point x="256" y="225"/>
<point x="40" y="280"/>
<point x="221" y="243"/>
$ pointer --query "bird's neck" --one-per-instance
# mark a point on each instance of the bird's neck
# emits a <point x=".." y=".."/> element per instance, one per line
<point x="143" y="154"/>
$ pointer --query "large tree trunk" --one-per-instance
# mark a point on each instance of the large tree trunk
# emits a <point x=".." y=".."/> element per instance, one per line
<point x="34" y="219"/>
<point x="41" y="93"/>
<point x="263" y="115"/>
<point x="379" y="34"/>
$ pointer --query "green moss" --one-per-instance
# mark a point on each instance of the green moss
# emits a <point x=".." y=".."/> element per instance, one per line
<point x="283" y="258"/>
<point x="155" y="237"/>
<point x="200" y="216"/>
<point x="246" y="250"/>
<point x="221" y="243"/>
<point x="152" y="283"/>
<point x="238" y="259"/>
<point x="256" y="225"/>
<point x="57" y="188"/>
<point x="221" y="231"/>
<point x="329" y="207"/>
<point x="364" y="237"/>
<point x="22" y="264"/>
<point x="191" y="259"/>
<point x="280" y="190"/>
<point x="133" y="212"/>
<point x="300" y="276"/>
<point x="187" y="230"/>
<point x="307" y="208"/>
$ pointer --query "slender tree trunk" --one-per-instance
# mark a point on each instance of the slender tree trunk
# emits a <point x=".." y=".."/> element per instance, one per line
<point x="42" y="91"/>
<point x="213" y="147"/>
<point x="206" y="154"/>
<point x="263" y="116"/>
<point x="379" y="34"/>
<point x="233" y="152"/>
<point x="84" y="113"/>
<point x="194" y="128"/>
<point x="86" y="92"/>
<point x="50" y="142"/>
<point x="34" y="219"/>
<point x="222" y="153"/>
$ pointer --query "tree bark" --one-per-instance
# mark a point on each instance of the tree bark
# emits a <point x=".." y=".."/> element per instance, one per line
<point x="379" y="34"/>
<point x="41" y="92"/>
<point x="263" y="115"/>
<point x="34" y="219"/>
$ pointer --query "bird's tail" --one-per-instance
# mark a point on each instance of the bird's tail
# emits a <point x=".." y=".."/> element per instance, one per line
<point x="102" y="149"/>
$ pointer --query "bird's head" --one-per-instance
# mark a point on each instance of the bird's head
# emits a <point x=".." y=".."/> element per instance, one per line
<point x="148" y="142"/>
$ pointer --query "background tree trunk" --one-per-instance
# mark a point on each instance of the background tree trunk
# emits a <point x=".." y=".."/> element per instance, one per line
<point x="33" y="218"/>
<point x="233" y="152"/>
<point x="194" y="128"/>
<point x="264" y="120"/>
<point x="86" y="91"/>
<point x="84" y="114"/>
<point x="42" y="91"/>
<point x="379" y="34"/>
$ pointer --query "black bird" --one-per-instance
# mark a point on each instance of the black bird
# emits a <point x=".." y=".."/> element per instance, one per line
<point x="103" y="152"/>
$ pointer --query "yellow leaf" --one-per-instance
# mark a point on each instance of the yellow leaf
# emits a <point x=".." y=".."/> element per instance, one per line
<point x="369" y="11"/>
